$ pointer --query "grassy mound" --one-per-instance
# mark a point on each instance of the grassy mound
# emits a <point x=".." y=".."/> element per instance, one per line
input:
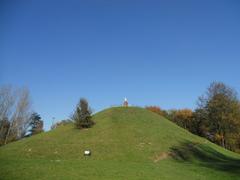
<point x="126" y="143"/>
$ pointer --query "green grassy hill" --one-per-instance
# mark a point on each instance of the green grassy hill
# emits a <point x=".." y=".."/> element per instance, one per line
<point x="126" y="143"/>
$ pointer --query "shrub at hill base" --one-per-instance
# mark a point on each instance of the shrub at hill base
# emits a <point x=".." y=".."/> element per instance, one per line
<point x="157" y="110"/>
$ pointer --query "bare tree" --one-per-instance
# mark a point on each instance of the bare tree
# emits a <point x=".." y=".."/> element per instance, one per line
<point x="16" y="107"/>
<point x="7" y="101"/>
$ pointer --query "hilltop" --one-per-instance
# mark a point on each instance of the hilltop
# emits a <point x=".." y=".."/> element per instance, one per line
<point x="126" y="143"/>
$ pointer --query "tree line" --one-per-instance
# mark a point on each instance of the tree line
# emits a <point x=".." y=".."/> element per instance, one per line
<point x="217" y="116"/>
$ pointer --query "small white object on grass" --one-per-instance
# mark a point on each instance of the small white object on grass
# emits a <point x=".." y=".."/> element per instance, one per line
<point x="87" y="153"/>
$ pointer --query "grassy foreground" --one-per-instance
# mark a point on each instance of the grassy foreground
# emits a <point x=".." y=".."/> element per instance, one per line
<point x="126" y="143"/>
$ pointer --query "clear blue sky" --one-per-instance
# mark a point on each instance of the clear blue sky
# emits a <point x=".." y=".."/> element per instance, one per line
<point x="152" y="52"/>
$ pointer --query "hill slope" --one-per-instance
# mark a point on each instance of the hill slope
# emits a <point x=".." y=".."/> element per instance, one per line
<point x="126" y="143"/>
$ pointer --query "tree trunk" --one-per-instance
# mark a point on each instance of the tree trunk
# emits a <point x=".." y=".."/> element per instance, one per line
<point x="223" y="141"/>
<point x="8" y="132"/>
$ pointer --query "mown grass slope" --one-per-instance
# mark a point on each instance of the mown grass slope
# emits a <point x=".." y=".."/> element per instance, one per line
<point x="126" y="143"/>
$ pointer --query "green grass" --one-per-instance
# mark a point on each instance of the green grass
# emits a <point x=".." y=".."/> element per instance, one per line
<point x="126" y="143"/>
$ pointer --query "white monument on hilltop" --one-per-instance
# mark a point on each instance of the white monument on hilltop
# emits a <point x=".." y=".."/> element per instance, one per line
<point x="125" y="103"/>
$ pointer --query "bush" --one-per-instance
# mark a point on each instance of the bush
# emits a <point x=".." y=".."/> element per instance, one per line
<point x="157" y="110"/>
<point x="183" y="118"/>
<point x="61" y="123"/>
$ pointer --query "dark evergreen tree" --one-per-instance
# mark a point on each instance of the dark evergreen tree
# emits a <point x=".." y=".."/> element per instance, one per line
<point x="36" y="124"/>
<point x="82" y="115"/>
